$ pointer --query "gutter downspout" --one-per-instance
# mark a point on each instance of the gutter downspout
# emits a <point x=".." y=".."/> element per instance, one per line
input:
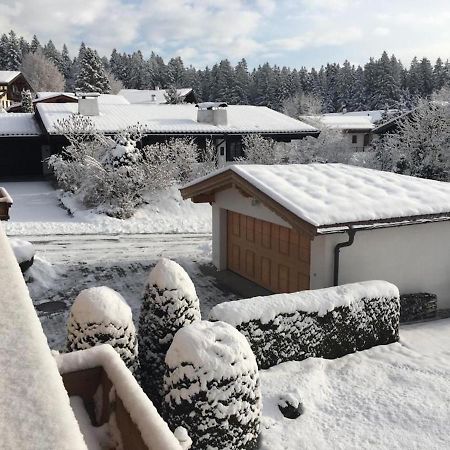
<point x="351" y="237"/>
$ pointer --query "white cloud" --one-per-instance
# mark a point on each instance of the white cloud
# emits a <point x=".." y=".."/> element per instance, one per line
<point x="204" y="31"/>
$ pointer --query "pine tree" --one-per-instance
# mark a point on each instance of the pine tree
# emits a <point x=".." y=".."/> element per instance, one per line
<point x="136" y="71"/>
<point x="27" y="102"/>
<point x="24" y="46"/>
<point x="175" y="72"/>
<point x="4" y="52"/>
<point x="14" y="55"/>
<point x="440" y="75"/>
<point x="52" y="54"/>
<point x="91" y="75"/>
<point x="35" y="44"/>
<point x="170" y="303"/>
<point x="66" y="63"/>
<point x="426" y="78"/>
<point x="172" y="96"/>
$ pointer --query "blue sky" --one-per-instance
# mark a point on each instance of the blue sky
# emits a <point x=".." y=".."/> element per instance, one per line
<point x="285" y="32"/>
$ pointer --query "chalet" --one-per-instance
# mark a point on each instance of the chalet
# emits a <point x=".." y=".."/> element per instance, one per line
<point x="222" y="124"/>
<point x="12" y="83"/>
<point x="356" y="128"/>
<point x="21" y="145"/>
<point x="156" y="96"/>
<point x="293" y="227"/>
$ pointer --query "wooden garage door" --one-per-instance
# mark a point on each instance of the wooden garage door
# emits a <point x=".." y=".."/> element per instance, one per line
<point x="275" y="257"/>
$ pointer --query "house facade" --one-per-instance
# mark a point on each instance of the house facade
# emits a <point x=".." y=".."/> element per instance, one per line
<point x="12" y="83"/>
<point x="296" y="227"/>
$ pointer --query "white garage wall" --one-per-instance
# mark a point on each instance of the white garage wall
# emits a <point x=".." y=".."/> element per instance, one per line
<point x="416" y="258"/>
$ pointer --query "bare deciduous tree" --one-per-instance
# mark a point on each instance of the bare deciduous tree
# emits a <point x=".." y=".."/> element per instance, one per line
<point x="42" y="74"/>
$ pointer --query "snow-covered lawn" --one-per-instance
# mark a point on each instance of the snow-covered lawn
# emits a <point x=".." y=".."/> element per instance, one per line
<point x="37" y="210"/>
<point x="389" y="397"/>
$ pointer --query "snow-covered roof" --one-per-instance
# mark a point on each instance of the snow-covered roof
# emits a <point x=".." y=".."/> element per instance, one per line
<point x="111" y="99"/>
<point x="177" y="119"/>
<point x="34" y="406"/>
<point x="19" y="124"/>
<point x="150" y="95"/>
<point x="343" y="121"/>
<point x="374" y="115"/>
<point x="325" y="195"/>
<point x="6" y="76"/>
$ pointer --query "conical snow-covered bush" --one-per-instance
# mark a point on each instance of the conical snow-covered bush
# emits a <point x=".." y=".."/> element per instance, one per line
<point x="101" y="315"/>
<point x="170" y="303"/>
<point x="212" y="387"/>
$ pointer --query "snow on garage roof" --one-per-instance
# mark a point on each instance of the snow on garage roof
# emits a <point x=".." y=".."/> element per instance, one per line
<point x="342" y="122"/>
<point x="326" y="195"/>
<point x="177" y="119"/>
<point x="6" y="76"/>
<point x="19" y="124"/>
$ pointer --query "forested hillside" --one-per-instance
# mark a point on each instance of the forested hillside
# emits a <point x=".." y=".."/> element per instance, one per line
<point x="380" y="83"/>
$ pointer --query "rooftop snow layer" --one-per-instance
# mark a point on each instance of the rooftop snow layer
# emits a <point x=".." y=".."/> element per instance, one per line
<point x="180" y="118"/>
<point x="6" y="76"/>
<point x="150" y="95"/>
<point x="34" y="406"/>
<point x="109" y="99"/>
<point x="331" y="194"/>
<point x="343" y="121"/>
<point x="19" y="124"/>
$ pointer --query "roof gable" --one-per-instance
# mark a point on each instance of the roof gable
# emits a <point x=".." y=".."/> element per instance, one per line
<point x="330" y="195"/>
<point x="7" y="76"/>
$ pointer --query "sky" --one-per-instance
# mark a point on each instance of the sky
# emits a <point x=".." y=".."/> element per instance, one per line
<point x="286" y="32"/>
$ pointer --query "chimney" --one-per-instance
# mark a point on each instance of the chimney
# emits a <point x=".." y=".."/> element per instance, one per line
<point x="214" y="113"/>
<point x="153" y="98"/>
<point x="88" y="103"/>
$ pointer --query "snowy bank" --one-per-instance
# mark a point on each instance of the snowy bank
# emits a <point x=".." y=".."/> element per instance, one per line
<point x="39" y="209"/>
<point x="34" y="406"/>
<point x="327" y="322"/>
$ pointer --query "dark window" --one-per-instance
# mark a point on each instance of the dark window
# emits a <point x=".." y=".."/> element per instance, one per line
<point x="234" y="150"/>
<point x="222" y="151"/>
<point x="354" y="139"/>
<point x="366" y="140"/>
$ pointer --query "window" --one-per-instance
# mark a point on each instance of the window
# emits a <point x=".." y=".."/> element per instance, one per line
<point x="354" y="139"/>
<point x="234" y="150"/>
<point x="366" y="140"/>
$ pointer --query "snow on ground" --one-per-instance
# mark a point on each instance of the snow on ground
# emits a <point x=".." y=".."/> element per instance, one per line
<point x="37" y="210"/>
<point x="389" y="397"/>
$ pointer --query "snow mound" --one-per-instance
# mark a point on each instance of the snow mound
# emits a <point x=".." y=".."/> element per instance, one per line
<point x="216" y="347"/>
<point x="169" y="275"/>
<point x="320" y="301"/>
<point x="101" y="305"/>
<point x="23" y="250"/>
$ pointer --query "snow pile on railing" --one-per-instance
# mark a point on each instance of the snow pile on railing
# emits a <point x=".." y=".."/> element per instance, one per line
<point x="170" y="303"/>
<point x="34" y="406"/>
<point x="100" y="315"/>
<point x="212" y="386"/>
<point x="325" y="323"/>
<point x="154" y="431"/>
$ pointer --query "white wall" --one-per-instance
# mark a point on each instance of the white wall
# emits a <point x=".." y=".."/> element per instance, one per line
<point x="416" y="258"/>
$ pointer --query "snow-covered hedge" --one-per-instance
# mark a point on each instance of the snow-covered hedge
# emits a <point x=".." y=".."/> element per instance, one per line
<point x="212" y="387"/>
<point x="327" y="323"/>
<point x="170" y="303"/>
<point x="101" y="315"/>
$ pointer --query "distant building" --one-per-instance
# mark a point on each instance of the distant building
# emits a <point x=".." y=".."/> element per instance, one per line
<point x="356" y="128"/>
<point x="156" y="96"/>
<point x="12" y="83"/>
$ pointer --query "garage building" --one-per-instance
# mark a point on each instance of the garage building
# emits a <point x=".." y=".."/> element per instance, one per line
<point x="295" y="227"/>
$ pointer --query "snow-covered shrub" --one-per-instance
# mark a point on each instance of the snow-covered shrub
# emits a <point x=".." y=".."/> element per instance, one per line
<point x="290" y="405"/>
<point x="212" y="387"/>
<point x="326" y="323"/>
<point x="170" y="303"/>
<point x="24" y="252"/>
<point x="101" y="315"/>
<point x="261" y="150"/>
<point x="421" y="144"/>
